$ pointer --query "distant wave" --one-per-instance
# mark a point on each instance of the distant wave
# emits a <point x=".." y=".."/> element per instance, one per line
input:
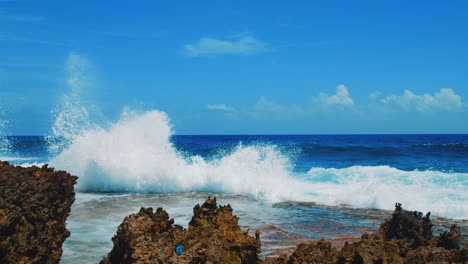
<point x="316" y="148"/>
<point x="443" y="194"/>
<point x="449" y="147"/>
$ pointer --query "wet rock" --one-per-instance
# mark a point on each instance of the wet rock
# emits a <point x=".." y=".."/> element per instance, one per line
<point x="313" y="252"/>
<point x="34" y="204"/>
<point x="213" y="236"/>
<point x="410" y="226"/>
<point x="449" y="240"/>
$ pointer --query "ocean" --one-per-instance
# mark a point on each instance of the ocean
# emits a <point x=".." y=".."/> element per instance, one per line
<point x="290" y="187"/>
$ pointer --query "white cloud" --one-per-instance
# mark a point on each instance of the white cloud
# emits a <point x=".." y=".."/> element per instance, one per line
<point x="241" y="44"/>
<point x="220" y="107"/>
<point x="341" y="97"/>
<point x="444" y="100"/>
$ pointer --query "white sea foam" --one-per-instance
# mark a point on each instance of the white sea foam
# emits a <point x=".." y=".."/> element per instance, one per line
<point x="71" y="116"/>
<point x="444" y="194"/>
<point x="136" y="155"/>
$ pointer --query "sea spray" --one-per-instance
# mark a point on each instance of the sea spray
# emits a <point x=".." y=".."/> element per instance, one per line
<point x="71" y="116"/>
<point x="5" y="144"/>
<point x="136" y="155"/>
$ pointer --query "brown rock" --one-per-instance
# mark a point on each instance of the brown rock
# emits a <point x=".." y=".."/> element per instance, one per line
<point x="314" y="252"/>
<point x="410" y="226"/>
<point x="34" y="204"/>
<point x="405" y="238"/>
<point x="213" y="236"/>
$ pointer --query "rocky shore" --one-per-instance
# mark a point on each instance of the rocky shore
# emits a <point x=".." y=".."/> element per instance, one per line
<point x="214" y="236"/>
<point x="34" y="204"/>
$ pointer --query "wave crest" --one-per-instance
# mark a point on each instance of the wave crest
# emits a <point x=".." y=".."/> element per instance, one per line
<point x="136" y="155"/>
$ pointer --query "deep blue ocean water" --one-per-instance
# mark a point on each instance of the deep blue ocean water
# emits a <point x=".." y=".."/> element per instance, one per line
<point x="446" y="153"/>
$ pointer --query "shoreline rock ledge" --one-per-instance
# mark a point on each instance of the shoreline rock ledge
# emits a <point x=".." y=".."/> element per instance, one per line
<point x="34" y="204"/>
<point x="214" y="236"/>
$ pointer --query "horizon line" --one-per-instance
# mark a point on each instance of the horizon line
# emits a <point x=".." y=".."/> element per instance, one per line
<point x="295" y="134"/>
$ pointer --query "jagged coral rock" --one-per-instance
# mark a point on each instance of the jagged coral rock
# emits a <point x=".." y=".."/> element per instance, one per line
<point x="213" y="236"/>
<point x="410" y="226"/>
<point x="34" y="204"/>
<point x="405" y="238"/>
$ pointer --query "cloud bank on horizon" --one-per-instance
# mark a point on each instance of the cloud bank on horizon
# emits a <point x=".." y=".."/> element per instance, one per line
<point x="445" y="100"/>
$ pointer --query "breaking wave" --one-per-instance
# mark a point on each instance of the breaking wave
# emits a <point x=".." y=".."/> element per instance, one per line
<point x="136" y="155"/>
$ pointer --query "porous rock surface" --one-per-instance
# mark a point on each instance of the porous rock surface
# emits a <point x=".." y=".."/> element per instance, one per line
<point x="213" y="236"/>
<point x="34" y="204"/>
<point x="405" y="238"/>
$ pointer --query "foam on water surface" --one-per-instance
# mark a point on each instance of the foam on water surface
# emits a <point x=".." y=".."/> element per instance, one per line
<point x="136" y="155"/>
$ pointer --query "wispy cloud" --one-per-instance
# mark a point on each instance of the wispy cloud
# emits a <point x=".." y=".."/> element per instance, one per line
<point x="126" y="32"/>
<point x="444" y="100"/>
<point x="220" y="107"/>
<point x="240" y="45"/>
<point x="20" y="18"/>
<point x="266" y="108"/>
<point x="28" y="63"/>
<point x="340" y="98"/>
<point x="11" y="37"/>
<point x="374" y="95"/>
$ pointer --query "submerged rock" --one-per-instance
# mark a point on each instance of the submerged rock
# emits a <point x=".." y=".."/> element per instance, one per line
<point x="213" y="236"/>
<point x="34" y="204"/>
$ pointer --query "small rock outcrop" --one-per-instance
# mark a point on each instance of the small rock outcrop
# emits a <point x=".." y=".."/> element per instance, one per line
<point x="213" y="236"/>
<point x="34" y="204"/>
<point x="405" y="238"/>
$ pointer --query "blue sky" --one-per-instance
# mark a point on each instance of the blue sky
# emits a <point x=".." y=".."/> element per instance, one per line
<point x="241" y="67"/>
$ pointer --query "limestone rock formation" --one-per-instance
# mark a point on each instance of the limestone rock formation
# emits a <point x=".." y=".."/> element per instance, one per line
<point x="405" y="238"/>
<point x="213" y="236"/>
<point x="34" y="204"/>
